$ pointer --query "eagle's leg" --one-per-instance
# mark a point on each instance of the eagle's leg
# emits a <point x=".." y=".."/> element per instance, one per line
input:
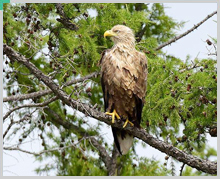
<point x="113" y="114"/>
<point x="126" y="122"/>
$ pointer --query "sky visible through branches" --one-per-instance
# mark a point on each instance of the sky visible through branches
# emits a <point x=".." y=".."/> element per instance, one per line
<point x="15" y="165"/>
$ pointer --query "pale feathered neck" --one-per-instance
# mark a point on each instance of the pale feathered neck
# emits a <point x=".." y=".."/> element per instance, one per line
<point x="124" y="46"/>
<point x="126" y="41"/>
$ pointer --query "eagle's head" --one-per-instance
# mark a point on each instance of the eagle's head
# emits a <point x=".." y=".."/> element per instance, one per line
<point x="121" y="34"/>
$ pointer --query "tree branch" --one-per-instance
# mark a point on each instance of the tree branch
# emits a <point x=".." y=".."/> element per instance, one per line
<point x="193" y="161"/>
<point x="75" y="129"/>
<point x="21" y="97"/>
<point x="185" y="33"/>
<point x="40" y="153"/>
<point x="64" y="19"/>
<point x="26" y="117"/>
<point x="193" y="66"/>
<point x="30" y="105"/>
<point x="141" y="32"/>
<point x="181" y="169"/>
<point x="113" y="169"/>
<point x="103" y="153"/>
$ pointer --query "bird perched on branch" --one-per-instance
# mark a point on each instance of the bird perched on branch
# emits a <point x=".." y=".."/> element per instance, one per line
<point x="123" y="79"/>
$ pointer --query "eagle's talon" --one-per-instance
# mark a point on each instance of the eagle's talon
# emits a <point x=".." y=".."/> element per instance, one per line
<point x="113" y="114"/>
<point x="126" y="122"/>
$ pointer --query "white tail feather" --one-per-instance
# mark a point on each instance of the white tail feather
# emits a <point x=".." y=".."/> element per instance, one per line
<point x="126" y="143"/>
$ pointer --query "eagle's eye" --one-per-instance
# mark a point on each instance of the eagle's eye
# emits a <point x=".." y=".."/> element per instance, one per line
<point x="116" y="31"/>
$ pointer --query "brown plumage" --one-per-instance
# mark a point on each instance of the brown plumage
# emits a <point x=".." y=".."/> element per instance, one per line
<point x="123" y="78"/>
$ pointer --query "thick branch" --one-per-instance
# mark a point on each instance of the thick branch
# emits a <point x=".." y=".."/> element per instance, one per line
<point x="103" y="153"/>
<point x="185" y="33"/>
<point x="113" y="169"/>
<point x="193" y="161"/>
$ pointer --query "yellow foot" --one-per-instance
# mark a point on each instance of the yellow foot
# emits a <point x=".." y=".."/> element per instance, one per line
<point x="126" y="122"/>
<point x="113" y="114"/>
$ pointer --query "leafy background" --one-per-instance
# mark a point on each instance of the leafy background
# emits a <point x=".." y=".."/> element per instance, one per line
<point x="180" y="103"/>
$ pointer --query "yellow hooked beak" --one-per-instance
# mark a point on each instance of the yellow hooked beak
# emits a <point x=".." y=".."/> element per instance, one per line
<point x="109" y="33"/>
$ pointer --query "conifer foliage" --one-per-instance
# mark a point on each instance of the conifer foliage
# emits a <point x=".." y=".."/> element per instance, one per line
<point x="54" y="96"/>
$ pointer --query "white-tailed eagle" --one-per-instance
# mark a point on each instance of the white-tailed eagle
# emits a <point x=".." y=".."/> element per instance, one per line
<point x="123" y="79"/>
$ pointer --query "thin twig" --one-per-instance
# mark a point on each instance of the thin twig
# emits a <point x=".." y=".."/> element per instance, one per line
<point x="185" y="33"/>
<point x="26" y="117"/>
<point x="20" y="97"/>
<point x="40" y="153"/>
<point x="181" y="169"/>
<point x="30" y="105"/>
<point x="7" y="130"/>
<point x="46" y="92"/>
<point x="193" y="66"/>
